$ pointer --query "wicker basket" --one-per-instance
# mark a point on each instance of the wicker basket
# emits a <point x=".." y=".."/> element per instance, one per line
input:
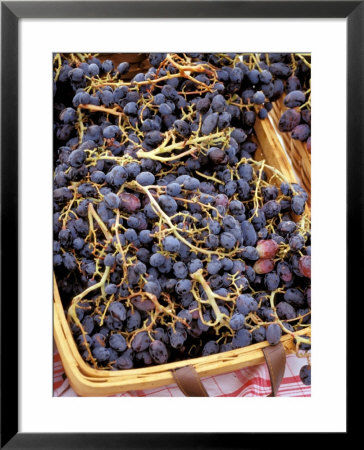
<point x="297" y="151"/>
<point x="87" y="381"/>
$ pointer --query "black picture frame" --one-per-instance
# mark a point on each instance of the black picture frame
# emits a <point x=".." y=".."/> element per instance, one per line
<point x="11" y="12"/>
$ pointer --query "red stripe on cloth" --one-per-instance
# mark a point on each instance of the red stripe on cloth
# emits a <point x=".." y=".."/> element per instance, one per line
<point x="254" y="383"/>
<point x="57" y="383"/>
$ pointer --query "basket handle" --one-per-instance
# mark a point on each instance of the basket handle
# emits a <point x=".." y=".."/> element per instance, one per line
<point x="275" y="357"/>
<point x="190" y="384"/>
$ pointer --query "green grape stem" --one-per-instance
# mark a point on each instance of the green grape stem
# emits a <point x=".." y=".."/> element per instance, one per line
<point x="221" y="318"/>
<point x="93" y="215"/>
<point x="193" y="141"/>
<point x="173" y="227"/>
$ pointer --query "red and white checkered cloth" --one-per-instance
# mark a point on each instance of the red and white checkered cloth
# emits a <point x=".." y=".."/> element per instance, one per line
<point x="249" y="382"/>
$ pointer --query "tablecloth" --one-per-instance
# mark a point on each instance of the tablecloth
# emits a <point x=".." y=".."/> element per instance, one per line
<point x="248" y="382"/>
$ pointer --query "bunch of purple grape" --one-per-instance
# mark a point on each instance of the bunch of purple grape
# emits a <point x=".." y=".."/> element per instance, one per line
<point x="294" y="75"/>
<point x="170" y="240"/>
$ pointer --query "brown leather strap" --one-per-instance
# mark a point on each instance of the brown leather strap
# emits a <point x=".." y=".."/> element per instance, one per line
<point x="189" y="382"/>
<point x="275" y="357"/>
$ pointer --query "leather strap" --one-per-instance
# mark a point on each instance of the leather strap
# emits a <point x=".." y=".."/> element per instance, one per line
<point x="189" y="382"/>
<point x="275" y="357"/>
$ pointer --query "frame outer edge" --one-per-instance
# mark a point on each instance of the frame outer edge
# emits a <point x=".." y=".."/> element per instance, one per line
<point x="9" y="224"/>
<point x="10" y="12"/>
<point x="355" y="170"/>
<point x="182" y="9"/>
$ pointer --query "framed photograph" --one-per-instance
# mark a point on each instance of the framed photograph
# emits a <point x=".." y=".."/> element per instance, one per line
<point x="163" y="149"/>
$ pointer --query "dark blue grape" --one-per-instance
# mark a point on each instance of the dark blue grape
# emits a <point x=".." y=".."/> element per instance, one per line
<point x="123" y="68"/>
<point x="227" y="240"/>
<point x="109" y="260"/>
<point x="305" y="375"/>
<point x="242" y="338"/>
<point x="226" y="347"/>
<point x="180" y="270"/>
<point x="294" y="297"/>
<point x="157" y="259"/>
<point x="289" y="120"/>
<point x="77" y="158"/>
<point x="253" y="76"/>
<point x="158" y="351"/>
<point x="298" y="204"/>
<point x="191" y="183"/>
<point x="177" y="338"/>
<point x="271" y="209"/>
<point x="153" y="287"/>
<point x="249" y="233"/>
<point x="78" y="243"/>
<point x="286" y="227"/>
<point x="141" y="341"/>
<point x="107" y="65"/>
<point x="145" y="237"/>
<point x="88" y="324"/>
<point x="210" y="348"/>
<point x="117" y="311"/>
<point x="131" y="109"/>
<point x="258" y="98"/>
<point x="280" y="70"/>
<point x="124" y="362"/>
<point x="301" y="132"/>
<point x="209" y="124"/>
<point x="195" y="265"/>
<point x="296" y="242"/>
<point x="293" y="84"/>
<point x="69" y="261"/>
<point x="183" y="287"/>
<point x="173" y="189"/>
<point x="168" y="204"/>
<point x="259" y="334"/>
<point x="97" y="177"/>
<point x="182" y="128"/>
<point x="273" y="333"/>
<point x="237" y="321"/>
<point x="285" y="311"/>
<point x="117" y="176"/>
<point x="98" y="340"/>
<point x="213" y="267"/>
<point x="294" y="99"/>
<point x="271" y="281"/>
<point x="131" y="235"/>
<point x="111" y="289"/>
<point x="101" y="354"/>
<point x="263" y="113"/>
<point x="245" y="304"/>
<point x="250" y="253"/>
<point x="133" y="320"/>
<point x="57" y="260"/>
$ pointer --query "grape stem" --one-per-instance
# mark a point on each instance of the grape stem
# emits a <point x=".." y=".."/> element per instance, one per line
<point x="256" y="196"/>
<point x="173" y="228"/>
<point x="164" y="148"/>
<point x="221" y="318"/>
<point x="58" y="70"/>
<point x="93" y="215"/>
<point x="113" y="111"/>
<point x="304" y="60"/>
